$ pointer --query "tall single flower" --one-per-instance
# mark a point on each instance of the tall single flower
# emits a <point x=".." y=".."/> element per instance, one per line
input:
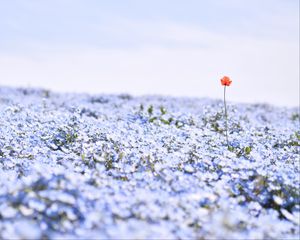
<point x="226" y="81"/>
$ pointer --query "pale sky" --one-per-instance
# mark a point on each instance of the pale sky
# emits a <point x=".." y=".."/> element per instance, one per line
<point x="169" y="47"/>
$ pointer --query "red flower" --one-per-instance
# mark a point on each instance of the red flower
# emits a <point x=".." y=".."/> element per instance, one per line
<point x="225" y="81"/>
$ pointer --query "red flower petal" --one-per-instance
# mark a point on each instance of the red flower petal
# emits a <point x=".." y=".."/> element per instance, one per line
<point x="226" y="81"/>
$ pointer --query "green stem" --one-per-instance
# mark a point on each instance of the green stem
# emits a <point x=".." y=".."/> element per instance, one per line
<point x="226" y="124"/>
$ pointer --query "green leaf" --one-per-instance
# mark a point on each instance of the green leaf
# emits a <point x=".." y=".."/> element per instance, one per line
<point x="247" y="150"/>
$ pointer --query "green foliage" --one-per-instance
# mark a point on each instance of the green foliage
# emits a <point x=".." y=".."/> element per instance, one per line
<point x="160" y="116"/>
<point x="150" y="110"/>
<point x="297" y="134"/>
<point x="71" y="137"/>
<point x="108" y="164"/>
<point x="293" y="141"/>
<point x="216" y="127"/>
<point x="240" y="151"/>
<point x="141" y="107"/>
<point x="230" y="148"/>
<point x="213" y="122"/>
<point x="295" y="116"/>
<point x="179" y="124"/>
<point x="247" y="150"/>
<point x="269" y="193"/>
<point x="244" y="151"/>
<point x="152" y="119"/>
<point x="65" y="136"/>
<point x="166" y="121"/>
<point x="163" y="110"/>
<point x="122" y="178"/>
<point x="46" y="93"/>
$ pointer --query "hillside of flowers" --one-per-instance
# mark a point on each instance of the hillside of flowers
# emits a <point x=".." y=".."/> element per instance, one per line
<point x="80" y="166"/>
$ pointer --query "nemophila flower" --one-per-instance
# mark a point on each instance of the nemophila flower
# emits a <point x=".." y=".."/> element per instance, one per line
<point x="226" y="81"/>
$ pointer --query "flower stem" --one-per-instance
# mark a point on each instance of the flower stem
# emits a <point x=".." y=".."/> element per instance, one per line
<point x="226" y="124"/>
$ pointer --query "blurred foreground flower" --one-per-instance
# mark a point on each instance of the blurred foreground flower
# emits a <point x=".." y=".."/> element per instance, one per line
<point x="226" y="81"/>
